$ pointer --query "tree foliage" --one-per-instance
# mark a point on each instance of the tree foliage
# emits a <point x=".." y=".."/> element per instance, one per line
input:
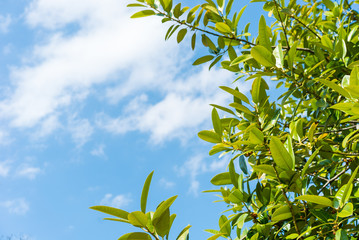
<point x="297" y="154"/>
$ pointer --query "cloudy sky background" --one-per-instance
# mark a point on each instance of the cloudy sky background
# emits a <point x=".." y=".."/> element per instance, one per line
<point x="91" y="102"/>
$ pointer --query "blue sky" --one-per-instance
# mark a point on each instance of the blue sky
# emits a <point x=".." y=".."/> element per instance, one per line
<point x="91" y="102"/>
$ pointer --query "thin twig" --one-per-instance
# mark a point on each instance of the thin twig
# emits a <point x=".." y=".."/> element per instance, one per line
<point x="281" y="22"/>
<point x="292" y="16"/>
<point x="334" y="178"/>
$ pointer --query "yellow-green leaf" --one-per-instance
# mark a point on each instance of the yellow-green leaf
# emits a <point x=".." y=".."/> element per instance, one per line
<point x="223" y="27"/>
<point x="346" y="211"/>
<point x="209" y="136"/>
<point x="280" y="154"/>
<point x="203" y="59"/>
<point x="111" y="211"/>
<point x="316" y="199"/>
<point x="144" y="13"/>
<point x="138" y="219"/>
<point x="136" y="236"/>
<point x="263" y="56"/>
<point x="145" y="190"/>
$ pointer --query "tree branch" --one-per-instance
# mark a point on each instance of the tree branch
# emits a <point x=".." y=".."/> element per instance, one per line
<point x="334" y="178"/>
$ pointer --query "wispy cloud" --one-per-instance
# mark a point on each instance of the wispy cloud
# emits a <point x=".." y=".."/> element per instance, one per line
<point x="5" y="22"/>
<point x="166" y="183"/>
<point x="5" y="167"/>
<point x="27" y="171"/>
<point x="197" y="165"/>
<point x="17" y="206"/>
<point x="81" y="130"/>
<point x="118" y="201"/>
<point x="99" y="151"/>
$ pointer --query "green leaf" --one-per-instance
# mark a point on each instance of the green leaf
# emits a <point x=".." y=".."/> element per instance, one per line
<point x="325" y="40"/>
<point x="222" y="179"/>
<point x="347" y="137"/>
<point x="184" y="233"/>
<point x="223" y="27"/>
<point x="137" y="219"/>
<point x="111" y="211"/>
<point x="310" y="161"/>
<point x="281" y="214"/>
<point x="263" y="36"/>
<point x="353" y="64"/>
<point x="232" y="173"/>
<point x="279" y="56"/>
<point x="216" y="121"/>
<point x="349" y="187"/>
<point x="346" y="211"/>
<point x="193" y="41"/>
<point x="164" y="206"/>
<point x="241" y="108"/>
<point x="208" y="42"/>
<point x="354" y="77"/>
<point x="256" y="136"/>
<point x="144" y="13"/>
<point x="335" y="87"/>
<point x="209" y="136"/>
<point x="280" y="154"/>
<point x="203" y="59"/>
<point x="341" y="235"/>
<point x="291" y="55"/>
<point x="263" y="56"/>
<point x="243" y="164"/>
<point x="214" y="237"/>
<point x="236" y="196"/>
<point x="267" y="169"/>
<point x="145" y="190"/>
<point x="235" y="93"/>
<point x="136" y="236"/>
<point x="240" y="59"/>
<point x="241" y="220"/>
<point x="162" y="223"/>
<point x="316" y="199"/>
<point x="181" y="34"/>
<point x="223" y="108"/>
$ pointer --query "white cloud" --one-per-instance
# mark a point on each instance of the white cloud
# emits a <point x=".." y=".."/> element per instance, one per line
<point x="81" y="130"/>
<point x="184" y="107"/>
<point x="166" y="183"/>
<point x="99" y="151"/>
<point x="5" y="167"/>
<point x="197" y="165"/>
<point x="107" y="44"/>
<point x="118" y="201"/>
<point x="115" y="58"/>
<point x="5" y="22"/>
<point x="17" y="206"/>
<point x="27" y="171"/>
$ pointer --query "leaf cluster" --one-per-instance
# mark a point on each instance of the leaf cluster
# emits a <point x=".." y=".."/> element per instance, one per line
<point x="294" y="160"/>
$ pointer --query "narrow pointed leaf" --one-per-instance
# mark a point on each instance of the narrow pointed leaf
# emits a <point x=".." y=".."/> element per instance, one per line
<point x="111" y="211"/>
<point x="280" y="154"/>
<point x="145" y="190"/>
